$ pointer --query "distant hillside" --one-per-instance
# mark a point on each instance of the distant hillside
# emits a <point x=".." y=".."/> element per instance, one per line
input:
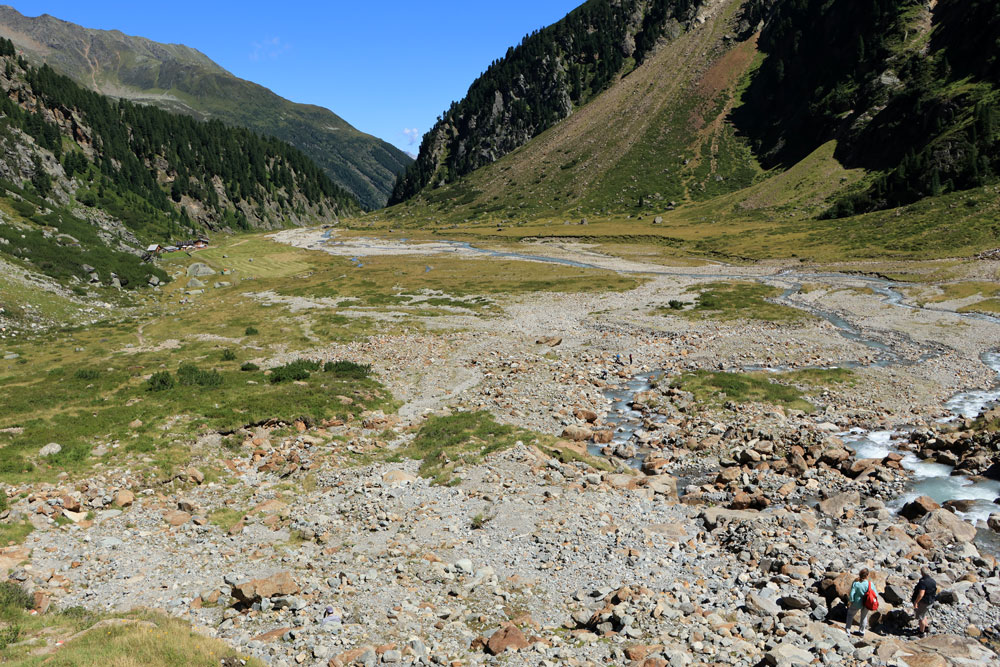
<point x="902" y="94"/>
<point x="181" y="79"/>
<point x="87" y="181"/>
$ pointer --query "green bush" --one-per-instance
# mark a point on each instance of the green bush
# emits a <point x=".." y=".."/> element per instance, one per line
<point x="13" y="462"/>
<point x="160" y="381"/>
<point x="249" y="366"/>
<point x="251" y="331"/>
<point x="3" y="500"/>
<point x="348" y="369"/>
<point x="228" y="355"/>
<point x="296" y="370"/>
<point x="676" y="305"/>
<point x="13" y="599"/>
<point x="87" y="374"/>
<point x="190" y="375"/>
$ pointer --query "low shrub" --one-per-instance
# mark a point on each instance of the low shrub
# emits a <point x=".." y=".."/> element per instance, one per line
<point x="190" y="375"/>
<point x="87" y="374"/>
<point x="251" y="331"/>
<point x="228" y="355"/>
<point x="296" y="370"/>
<point x="348" y="369"/>
<point x="160" y="381"/>
<point x="249" y="366"/>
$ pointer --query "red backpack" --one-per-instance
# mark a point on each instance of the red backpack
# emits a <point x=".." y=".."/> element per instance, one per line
<point x="871" y="598"/>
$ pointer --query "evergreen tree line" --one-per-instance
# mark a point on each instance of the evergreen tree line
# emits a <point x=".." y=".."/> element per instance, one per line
<point x="130" y="140"/>
<point x="839" y="69"/>
<point x="537" y="83"/>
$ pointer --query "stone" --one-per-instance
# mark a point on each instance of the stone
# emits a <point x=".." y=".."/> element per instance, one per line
<point x="271" y="636"/>
<point x="124" y="498"/>
<point x="398" y="477"/>
<point x="787" y="654"/>
<point x="761" y="606"/>
<point x="50" y="449"/>
<point x="918" y="507"/>
<point x="278" y="584"/>
<point x="199" y="270"/>
<point x="944" y="522"/>
<point x="176" y="517"/>
<point x="578" y="433"/>
<point x="994" y="522"/>
<point x="588" y="416"/>
<point x="836" y="505"/>
<point x="507" y="638"/>
<point x="794" y="602"/>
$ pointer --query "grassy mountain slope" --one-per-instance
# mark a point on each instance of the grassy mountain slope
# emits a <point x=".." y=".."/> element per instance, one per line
<point x="540" y="82"/>
<point x="657" y="135"/>
<point x="690" y="148"/>
<point x="180" y="79"/>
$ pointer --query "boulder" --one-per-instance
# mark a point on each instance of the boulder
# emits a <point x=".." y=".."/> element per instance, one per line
<point x="199" y="270"/>
<point x="50" y="449"/>
<point x="398" y="477"/>
<point x="176" y="517"/>
<point x="507" y="638"/>
<point x="835" y="506"/>
<point x="787" y="654"/>
<point x="944" y="522"/>
<point x="761" y="606"/>
<point x="588" y="416"/>
<point x="124" y="498"/>
<point x="918" y="507"/>
<point x="276" y="585"/>
<point x="578" y="433"/>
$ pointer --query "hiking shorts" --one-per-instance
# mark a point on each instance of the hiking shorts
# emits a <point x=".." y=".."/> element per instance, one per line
<point x="921" y="609"/>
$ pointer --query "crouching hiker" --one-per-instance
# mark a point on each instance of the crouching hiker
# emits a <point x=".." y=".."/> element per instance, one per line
<point x="863" y="598"/>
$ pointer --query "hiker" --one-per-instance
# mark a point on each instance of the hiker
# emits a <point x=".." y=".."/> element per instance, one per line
<point x="630" y="360"/>
<point x="924" y="596"/>
<point x="864" y="598"/>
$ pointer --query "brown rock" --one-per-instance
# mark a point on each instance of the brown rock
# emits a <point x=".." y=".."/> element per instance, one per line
<point x="578" y="433"/>
<point x="271" y="636"/>
<point x="603" y="437"/>
<point x="124" y="498"/>
<point x="195" y="475"/>
<point x="41" y="601"/>
<point x="507" y="638"/>
<point x="70" y="503"/>
<point x="176" y="517"/>
<point x="918" y="507"/>
<point x="586" y="415"/>
<point x="348" y="657"/>
<point x="727" y="475"/>
<point x="276" y="585"/>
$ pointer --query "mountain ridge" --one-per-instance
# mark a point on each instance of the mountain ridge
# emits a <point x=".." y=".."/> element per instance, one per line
<point x="182" y="79"/>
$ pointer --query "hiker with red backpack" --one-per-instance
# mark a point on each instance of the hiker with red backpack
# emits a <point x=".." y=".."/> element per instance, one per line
<point x="863" y="598"/>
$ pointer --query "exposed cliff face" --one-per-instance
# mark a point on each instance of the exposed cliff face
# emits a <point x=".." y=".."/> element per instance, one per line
<point x="180" y="79"/>
<point x="541" y="82"/>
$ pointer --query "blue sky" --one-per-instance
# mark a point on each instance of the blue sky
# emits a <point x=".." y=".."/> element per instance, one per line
<point x="389" y="68"/>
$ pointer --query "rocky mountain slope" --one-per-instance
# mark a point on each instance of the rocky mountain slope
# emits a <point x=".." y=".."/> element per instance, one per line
<point x="730" y="94"/>
<point x="180" y="79"/>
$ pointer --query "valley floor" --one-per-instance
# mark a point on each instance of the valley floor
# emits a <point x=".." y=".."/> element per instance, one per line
<point x="324" y="541"/>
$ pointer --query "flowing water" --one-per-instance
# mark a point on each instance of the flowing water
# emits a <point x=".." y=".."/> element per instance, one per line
<point x="931" y="479"/>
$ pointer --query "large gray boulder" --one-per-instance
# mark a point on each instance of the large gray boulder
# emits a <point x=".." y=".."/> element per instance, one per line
<point x="199" y="270"/>
<point x="943" y="522"/>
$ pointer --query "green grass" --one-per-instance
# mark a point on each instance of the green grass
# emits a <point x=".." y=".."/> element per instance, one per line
<point x="444" y="444"/>
<point x="739" y="301"/>
<point x="225" y="517"/>
<point x="14" y="533"/>
<point x="136" y="639"/>
<point x="820" y="377"/>
<point x="715" y="388"/>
